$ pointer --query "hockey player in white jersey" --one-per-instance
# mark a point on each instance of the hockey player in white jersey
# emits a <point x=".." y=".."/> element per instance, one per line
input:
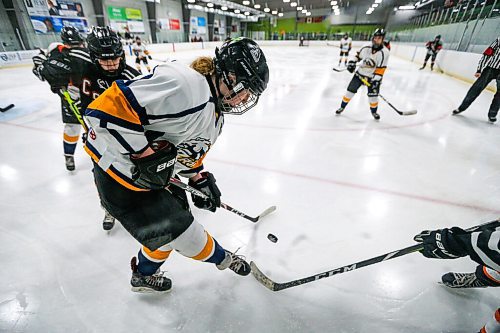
<point x="345" y="48"/>
<point x="481" y="245"/>
<point x="141" y="54"/>
<point x="143" y="131"/>
<point x="372" y="59"/>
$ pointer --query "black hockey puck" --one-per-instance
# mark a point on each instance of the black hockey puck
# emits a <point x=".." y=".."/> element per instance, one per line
<point x="272" y="238"/>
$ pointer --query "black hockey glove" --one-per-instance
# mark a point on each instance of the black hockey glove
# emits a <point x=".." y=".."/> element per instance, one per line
<point x="374" y="88"/>
<point x="351" y="66"/>
<point x="57" y="73"/>
<point x="150" y="57"/>
<point x="442" y="243"/>
<point x="38" y="61"/>
<point x="207" y="185"/>
<point x="154" y="171"/>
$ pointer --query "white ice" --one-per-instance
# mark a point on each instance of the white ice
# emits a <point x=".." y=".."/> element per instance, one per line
<point x="347" y="189"/>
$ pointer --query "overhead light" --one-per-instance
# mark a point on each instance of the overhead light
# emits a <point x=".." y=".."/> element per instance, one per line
<point x="237" y="11"/>
<point x="191" y="1"/>
<point x="308" y="14"/>
<point x="378" y="1"/>
<point x="274" y="12"/>
<point x="335" y="7"/>
<point x="246" y="2"/>
<point x="406" y="7"/>
<point x="304" y="11"/>
<point x="247" y="13"/>
<point x="333" y="3"/>
<point x="223" y="8"/>
<point x="286" y="1"/>
<point x="375" y="5"/>
<point x="299" y="8"/>
<point x="293" y="4"/>
<point x="368" y="12"/>
<point x="280" y="14"/>
<point x="210" y="5"/>
<point x="256" y="6"/>
<point x="267" y="10"/>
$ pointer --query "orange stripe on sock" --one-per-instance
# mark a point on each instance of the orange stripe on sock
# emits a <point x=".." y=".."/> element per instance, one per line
<point x="374" y="105"/>
<point x="346" y="99"/>
<point x="497" y="315"/>
<point x="485" y="271"/>
<point x="207" y="250"/>
<point x="156" y="254"/>
<point x="70" y="139"/>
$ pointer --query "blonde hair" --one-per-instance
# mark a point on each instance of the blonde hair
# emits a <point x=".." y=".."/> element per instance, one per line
<point x="203" y="65"/>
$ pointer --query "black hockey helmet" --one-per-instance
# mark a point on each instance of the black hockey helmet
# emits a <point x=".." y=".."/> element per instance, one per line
<point x="104" y="44"/>
<point x="71" y="36"/>
<point x="438" y="37"/>
<point x="243" y="58"/>
<point x="379" y="32"/>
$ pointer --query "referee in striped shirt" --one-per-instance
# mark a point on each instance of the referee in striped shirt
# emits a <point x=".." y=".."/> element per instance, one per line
<point x="487" y="70"/>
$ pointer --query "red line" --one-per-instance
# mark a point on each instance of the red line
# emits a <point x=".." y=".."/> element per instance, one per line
<point x="363" y="187"/>
<point x="389" y="127"/>
<point x="324" y="180"/>
<point x="46" y="130"/>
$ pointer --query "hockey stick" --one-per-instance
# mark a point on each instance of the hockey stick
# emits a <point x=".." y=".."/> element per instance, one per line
<point x="401" y="113"/>
<point x="7" y="108"/>
<point x="200" y="194"/>
<point x="73" y="107"/>
<point x="339" y="69"/>
<point x="275" y="286"/>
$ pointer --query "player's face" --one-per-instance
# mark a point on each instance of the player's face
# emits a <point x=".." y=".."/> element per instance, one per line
<point x="110" y="65"/>
<point x="231" y="97"/>
<point x="377" y="40"/>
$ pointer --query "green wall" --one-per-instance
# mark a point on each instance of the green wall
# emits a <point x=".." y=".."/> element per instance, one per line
<point x="288" y="25"/>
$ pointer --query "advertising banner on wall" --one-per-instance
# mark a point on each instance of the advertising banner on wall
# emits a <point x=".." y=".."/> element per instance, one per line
<point x="123" y="19"/>
<point x="48" y="16"/>
<point x="168" y="24"/>
<point x="198" y="25"/>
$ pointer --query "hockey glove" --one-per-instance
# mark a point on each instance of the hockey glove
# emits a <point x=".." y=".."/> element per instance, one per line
<point x="374" y="88"/>
<point x="442" y="243"/>
<point x="207" y="185"/>
<point x="150" y="57"/>
<point x="154" y="171"/>
<point x="351" y="66"/>
<point x="57" y="73"/>
<point x="38" y="61"/>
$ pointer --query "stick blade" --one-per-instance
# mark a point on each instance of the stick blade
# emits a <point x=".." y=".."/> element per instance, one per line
<point x="267" y="211"/>
<point x="409" y="113"/>
<point x="262" y="278"/>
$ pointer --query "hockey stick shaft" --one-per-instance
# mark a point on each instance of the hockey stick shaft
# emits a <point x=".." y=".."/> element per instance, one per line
<point x="391" y="255"/>
<point x="200" y="194"/>
<point x="73" y="107"/>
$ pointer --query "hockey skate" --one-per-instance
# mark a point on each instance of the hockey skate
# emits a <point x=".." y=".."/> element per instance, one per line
<point x="423" y="66"/>
<point x="462" y="280"/>
<point x="155" y="283"/>
<point x="235" y="263"/>
<point x="339" y="110"/>
<point x="108" y="222"/>
<point x="70" y="162"/>
<point x="492" y="117"/>
<point x="376" y="116"/>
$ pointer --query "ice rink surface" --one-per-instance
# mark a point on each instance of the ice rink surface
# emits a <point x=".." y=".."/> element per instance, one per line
<point x="347" y="189"/>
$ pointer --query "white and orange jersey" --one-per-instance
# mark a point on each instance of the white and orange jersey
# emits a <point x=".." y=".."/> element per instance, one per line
<point x="139" y="50"/>
<point x="173" y="103"/>
<point x="345" y="44"/>
<point x="372" y="64"/>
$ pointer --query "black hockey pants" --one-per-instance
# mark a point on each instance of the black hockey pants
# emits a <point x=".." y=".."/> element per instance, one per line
<point x="487" y="75"/>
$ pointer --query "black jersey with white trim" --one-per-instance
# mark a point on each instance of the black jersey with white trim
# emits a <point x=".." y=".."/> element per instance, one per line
<point x="483" y="247"/>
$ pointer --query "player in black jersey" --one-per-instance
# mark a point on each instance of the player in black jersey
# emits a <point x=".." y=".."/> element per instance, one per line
<point x="89" y="72"/>
<point x="71" y="39"/>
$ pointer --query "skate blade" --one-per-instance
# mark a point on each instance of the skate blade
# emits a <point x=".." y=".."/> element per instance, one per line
<point x="146" y="290"/>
